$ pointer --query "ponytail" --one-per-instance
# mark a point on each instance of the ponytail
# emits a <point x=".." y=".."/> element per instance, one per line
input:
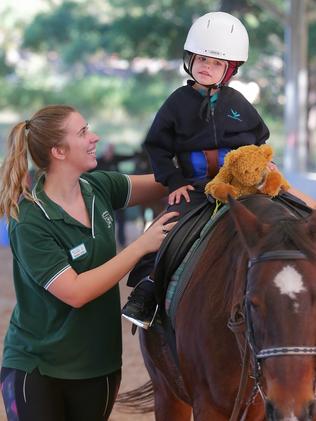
<point x="14" y="173"/>
<point x="35" y="137"/>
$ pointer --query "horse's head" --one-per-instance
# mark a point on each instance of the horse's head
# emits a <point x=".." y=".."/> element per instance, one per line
<point x="280" y="306"/>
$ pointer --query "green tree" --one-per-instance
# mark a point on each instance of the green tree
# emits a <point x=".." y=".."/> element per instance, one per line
<point x="69" y="29"/>
<point x="81" y="34"/>
<point x="5" y="68"/>
<point x="154" y="29"/>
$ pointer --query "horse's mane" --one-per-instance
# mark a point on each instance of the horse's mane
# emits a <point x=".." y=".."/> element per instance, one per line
<point x="224" y="261"/>
<point x="289" y="230"/>
<point x="291" y="234"/>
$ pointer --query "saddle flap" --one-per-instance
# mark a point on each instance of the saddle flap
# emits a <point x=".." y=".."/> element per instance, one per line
<point x="177" y="244"/>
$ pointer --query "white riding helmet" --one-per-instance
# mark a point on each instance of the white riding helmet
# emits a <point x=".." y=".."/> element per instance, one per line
<point x="219" y="35"/>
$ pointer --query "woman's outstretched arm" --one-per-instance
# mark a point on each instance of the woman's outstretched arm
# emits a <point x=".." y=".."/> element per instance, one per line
<point x="145" y="189"/>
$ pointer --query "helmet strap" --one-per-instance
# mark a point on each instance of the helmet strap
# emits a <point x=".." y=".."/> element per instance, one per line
<point x="205" y="108"/>
<point x="219" y="83"/>
<point x="188" y="59"/>
<point x="231" y="70"/>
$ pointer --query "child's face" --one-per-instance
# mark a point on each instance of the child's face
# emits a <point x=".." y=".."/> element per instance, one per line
<point x="208" y="70"/>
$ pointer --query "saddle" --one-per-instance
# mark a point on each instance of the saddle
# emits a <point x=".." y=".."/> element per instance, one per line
<point x="294" y="204"/>
<point x="178" y="243"/>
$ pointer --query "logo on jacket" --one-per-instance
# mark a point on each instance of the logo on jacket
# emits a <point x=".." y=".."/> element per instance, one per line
<point x="234" y="115"/>
<point x="108" y="218"/>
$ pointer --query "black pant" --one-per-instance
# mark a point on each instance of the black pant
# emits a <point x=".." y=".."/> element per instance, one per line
<point x="146" y="265"/>
<point x="36" y="397"/>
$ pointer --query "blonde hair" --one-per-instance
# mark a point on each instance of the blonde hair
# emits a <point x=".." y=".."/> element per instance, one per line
<point x="35" y="137"/>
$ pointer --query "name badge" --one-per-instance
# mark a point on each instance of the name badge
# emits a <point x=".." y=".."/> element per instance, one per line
<point x="78" y="251"/>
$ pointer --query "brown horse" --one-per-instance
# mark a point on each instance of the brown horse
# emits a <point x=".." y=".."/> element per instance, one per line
<point x="245" y="325"/>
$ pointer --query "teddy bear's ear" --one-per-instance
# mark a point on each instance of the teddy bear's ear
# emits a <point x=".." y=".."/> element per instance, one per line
<point x="231" y="157"/>
<point x="267" y="151"/>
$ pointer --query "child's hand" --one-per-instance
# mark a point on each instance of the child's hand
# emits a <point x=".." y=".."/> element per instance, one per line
<point x="272" y="166"/>
<point x="176" y="195"/>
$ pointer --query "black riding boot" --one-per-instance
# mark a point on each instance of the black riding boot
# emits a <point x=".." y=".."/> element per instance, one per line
<point x="141" y="307"/>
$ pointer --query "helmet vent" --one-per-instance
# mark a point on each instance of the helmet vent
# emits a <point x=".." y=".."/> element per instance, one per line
<point x="232" y="30"/>
<point x="208" y="23"/>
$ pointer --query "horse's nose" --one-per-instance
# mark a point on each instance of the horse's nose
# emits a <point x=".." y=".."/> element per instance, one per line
<point x="308" y="413"/>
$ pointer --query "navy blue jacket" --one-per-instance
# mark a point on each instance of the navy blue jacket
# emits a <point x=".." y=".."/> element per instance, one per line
<point x="178" y="130"/>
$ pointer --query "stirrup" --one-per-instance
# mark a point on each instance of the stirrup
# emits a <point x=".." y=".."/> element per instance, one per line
<point x="140" y="323"/>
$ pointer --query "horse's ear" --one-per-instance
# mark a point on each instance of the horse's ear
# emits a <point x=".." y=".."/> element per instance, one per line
<point x="250" y="229"/>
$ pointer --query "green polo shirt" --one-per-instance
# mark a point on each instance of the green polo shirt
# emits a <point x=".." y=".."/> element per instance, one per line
<point x="44" y="332"/>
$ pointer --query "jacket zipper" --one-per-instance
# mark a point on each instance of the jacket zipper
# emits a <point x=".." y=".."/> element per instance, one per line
<point x="213" y="124"/>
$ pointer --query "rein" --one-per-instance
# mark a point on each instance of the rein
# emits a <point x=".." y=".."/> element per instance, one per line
<point x="243" y="317"/>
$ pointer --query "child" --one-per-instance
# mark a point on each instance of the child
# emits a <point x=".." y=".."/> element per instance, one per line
<point x="196" y="126"/>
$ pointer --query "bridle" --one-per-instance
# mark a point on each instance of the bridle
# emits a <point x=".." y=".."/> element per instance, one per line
<point x="258" y="355"/>
<point x="275" y="351"/>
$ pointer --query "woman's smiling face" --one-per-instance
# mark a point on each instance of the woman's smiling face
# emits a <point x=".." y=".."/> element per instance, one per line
<point x="80" y="143"/>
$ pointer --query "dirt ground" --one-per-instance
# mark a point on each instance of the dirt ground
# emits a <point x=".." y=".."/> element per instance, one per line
<point x="134" y="372"/>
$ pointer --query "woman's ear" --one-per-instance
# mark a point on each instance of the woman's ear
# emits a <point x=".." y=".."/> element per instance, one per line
<point x="58" y="152"/>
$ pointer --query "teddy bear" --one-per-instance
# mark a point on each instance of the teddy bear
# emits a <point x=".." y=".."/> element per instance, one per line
<point x="247" y="170"/>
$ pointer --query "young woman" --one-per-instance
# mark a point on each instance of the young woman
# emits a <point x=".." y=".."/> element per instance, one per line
<point x="62" y="351"/>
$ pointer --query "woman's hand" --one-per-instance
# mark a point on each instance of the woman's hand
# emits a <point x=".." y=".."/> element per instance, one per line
<point x="176" y="195"/>
<point x="153" y="237"/>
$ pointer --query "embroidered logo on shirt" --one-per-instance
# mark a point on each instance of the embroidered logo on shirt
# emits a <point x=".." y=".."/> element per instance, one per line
<point x="78" y="251"/>
<point x="108" y="218"/>
<point x="234" y="115"/>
